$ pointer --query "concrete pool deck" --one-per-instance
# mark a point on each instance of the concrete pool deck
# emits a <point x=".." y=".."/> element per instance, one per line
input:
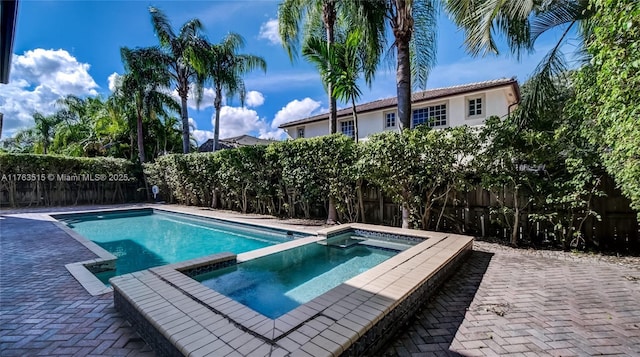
<point x="501" y="301"/>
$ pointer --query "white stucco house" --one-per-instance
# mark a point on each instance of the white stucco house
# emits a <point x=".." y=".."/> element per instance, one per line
<point x="467" y="104"/>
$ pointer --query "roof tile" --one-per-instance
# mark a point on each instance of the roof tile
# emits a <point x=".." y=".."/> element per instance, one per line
<point x="429" y="94"/>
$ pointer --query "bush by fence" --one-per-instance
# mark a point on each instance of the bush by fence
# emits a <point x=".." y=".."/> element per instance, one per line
<point x="433" y="174"/>
<point x="441" y="178"/>
<point x="46" y="180"/>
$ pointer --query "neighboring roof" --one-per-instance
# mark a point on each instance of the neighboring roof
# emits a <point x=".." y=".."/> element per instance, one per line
<point x="234" y="142"/>
<point x="8" y="15"/>
<point x="417" y="97"/>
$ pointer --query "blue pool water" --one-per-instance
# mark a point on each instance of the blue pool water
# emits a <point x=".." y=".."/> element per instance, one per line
<point x="146" y="239"/>
<point x="275" y="284"/>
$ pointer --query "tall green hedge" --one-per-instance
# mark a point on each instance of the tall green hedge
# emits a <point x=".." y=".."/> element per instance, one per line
<point x="30" y="179"/>
<point x="291" y="178"/>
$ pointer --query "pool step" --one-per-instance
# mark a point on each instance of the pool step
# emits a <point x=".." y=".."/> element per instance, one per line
<point x="386" y="244"/>
<point x="352" y="241"/>
<point x="342" y="243"/>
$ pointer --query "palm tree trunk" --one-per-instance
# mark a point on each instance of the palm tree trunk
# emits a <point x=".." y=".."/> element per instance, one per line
<point x="185" y="124"/>
<point x="140" y="139"/>
<point x="403" y="81"/>
<point x="355" y="118"/>
<point x="217" y="103"/>
<point x="329" y="18"/>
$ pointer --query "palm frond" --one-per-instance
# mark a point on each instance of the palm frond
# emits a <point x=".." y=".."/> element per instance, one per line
<point x="544" y="83"/>
<point x="190" y="29"/>
<point x="482" y="21"/>
<point x="290" y="14"/>
<point x="423" y="45"/>
<point x="161" y="26"/>
<point x="558" y="13"/>
<point x="370" y="20"/>
<point x="316" y="51"/>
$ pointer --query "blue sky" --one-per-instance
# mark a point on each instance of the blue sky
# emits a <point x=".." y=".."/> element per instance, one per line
<point x="73" y="47"/>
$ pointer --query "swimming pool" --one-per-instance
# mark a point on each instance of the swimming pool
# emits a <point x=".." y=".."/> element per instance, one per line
<point x="353" y="318"/>
<point x="141" y="239"/>
<point x="278" y="283"/>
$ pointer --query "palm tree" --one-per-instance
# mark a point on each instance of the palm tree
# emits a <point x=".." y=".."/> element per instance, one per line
<point x="224" y="66"/>
<point x="319" y="15"/>
<point x="413" y="24"/>
<point x="290" y="14"/>
<point x="145" y="78"/>
<point x="44" y="129"/>
<point x="177" y="49"/>
<point x="521" y="23"/>
<point x="341" y="65"/>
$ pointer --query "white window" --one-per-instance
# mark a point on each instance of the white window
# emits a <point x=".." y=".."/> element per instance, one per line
<point x="389" y="120"/>
<point x="301" y="132"/>
<point x="347" y="128"/>
<point x="435" y="115"/>
<point x="475" y="107"/>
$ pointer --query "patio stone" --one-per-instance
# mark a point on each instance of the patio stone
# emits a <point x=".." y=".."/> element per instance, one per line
<point x="500" y="301"/>
<point x="43" y="309"/>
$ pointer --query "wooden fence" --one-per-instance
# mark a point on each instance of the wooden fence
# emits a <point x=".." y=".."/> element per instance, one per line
<point x="617" y="230"/>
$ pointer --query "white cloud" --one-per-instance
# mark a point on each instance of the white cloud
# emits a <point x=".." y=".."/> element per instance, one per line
<point x="254" y="99"/>
<point x="269" y="31"/>
<point x="55" y="69"/>
<point x="113" y="79"/>
<point x="235" y="121"/>
<point x="294" y="110"/>
<point x="200" y="135"/>
<point x="38" y="79"/>
<point x="208" y="95"/>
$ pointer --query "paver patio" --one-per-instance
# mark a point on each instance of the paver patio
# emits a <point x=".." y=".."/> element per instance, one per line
<point x="502" y="301"/>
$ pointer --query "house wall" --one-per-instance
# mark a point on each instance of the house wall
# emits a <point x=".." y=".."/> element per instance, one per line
<point x="495" y="101"/>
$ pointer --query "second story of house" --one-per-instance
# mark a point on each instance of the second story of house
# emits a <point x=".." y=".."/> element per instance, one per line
<point x="467" y="104"/>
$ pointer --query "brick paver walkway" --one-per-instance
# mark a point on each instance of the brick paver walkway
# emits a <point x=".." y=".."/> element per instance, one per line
<point x="43" y="310"/>
<point x="502" y="301"/>
<point x="512" y="302"/>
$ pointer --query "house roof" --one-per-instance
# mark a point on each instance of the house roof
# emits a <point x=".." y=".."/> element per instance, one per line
<point x="417" y="97"/>
<point x="234" y="142"/>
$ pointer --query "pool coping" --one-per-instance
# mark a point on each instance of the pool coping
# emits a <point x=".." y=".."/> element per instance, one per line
<point x="82" y="271"/>
<point x="170" y="307"/>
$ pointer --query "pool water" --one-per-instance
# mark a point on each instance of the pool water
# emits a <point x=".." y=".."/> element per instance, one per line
<point x="142" y="240"/>
<point x="276" y="284"/>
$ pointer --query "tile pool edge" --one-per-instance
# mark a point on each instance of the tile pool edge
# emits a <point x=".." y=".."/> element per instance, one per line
<point x="81" y="270"/>
<point x="353" y="318"/>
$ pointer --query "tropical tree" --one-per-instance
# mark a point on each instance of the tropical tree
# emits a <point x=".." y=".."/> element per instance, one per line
<point x="177" y="48"/>
<point x="318" y="15"/>
<point x="145" y="81"/>
<point x="224" y="67"/>
<point x="340" y="65"/>
<point x="521" y="23"/>
<point x="413" y="24"/>
<point x="299" y="20"/>
<point x="44" y="129"/>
